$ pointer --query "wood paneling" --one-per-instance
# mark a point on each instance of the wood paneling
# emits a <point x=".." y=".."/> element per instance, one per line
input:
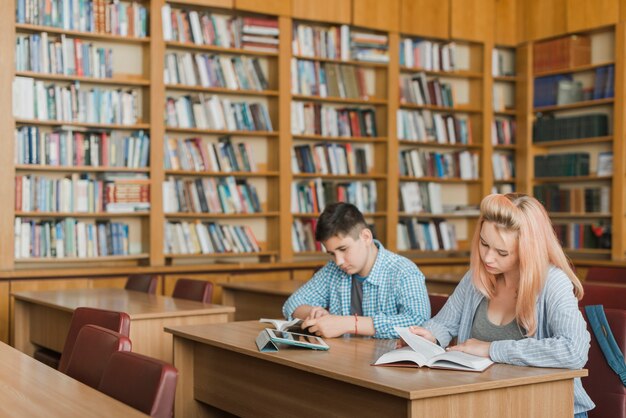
<point x="227" y="4"/>
<point x="553" y="18"/>
<point x="585" y="14"/>
<point x="376" y="14"/>
<point x="425" y="18"/>
<point x="506" y="22"/>
<point x="270" y="7"/>
<point x="472" y="19"/>
<point x="4" y="312"/>
<point x="335" y="11"/>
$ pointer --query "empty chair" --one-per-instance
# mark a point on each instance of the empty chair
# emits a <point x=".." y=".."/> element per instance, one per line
<point x="606" y="274"/>
<point x="199" y="290"/>
<point x="115" y="321"/>
<point x="607" y="294"/>
<point x="145" y="383"/>
<point x="146" y="283"/>
<point x="437" y="300"/>
<point x="92" y="349"/>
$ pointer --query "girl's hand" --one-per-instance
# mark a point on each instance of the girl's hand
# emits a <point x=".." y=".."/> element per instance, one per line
<point x="473" y="346"/>
<point x="423" y="332"/>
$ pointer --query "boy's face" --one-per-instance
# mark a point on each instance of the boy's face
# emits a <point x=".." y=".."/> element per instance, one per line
<point x="351" y="255"/>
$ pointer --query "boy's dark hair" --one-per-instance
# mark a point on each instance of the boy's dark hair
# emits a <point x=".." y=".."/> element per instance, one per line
<point x="339" y="219"/>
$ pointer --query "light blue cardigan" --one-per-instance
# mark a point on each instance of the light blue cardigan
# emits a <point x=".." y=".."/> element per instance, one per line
<point x="561" y="340"/>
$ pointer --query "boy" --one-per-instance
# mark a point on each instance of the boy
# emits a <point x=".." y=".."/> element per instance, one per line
<point x="364" y="289"/>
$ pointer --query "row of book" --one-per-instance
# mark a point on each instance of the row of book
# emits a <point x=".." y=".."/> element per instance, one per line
<point x="65" y="56"/>
<point x="503" y="131"/>
<point x="95" y="16"/>
<point x="331" y="158"/>
<point x="32" y="99"/>
<point x="332" y="42"/>
<point x="303" y="235"/>
<point x="206" y="70"/>
<point x="80" y="194"/>
<point x="577" y="235"/>
<point x="435" y="235"/>
<point x="562" y="164"/>
<point x="503" y="188"/>
<point x="70" y="238"/>
<point x="195" y="111"/>
<point x="427" y="126"/>
<point x="210" y="195"/>
<point x="325" y="120"/>
<point x="324" y="79"/>
<point x="549" y="128"/>
<point x="419" y="90"/>
<point x="205" y="28"/>
<point x="418" y="197"/>
<point x="604" y="82"/>
<point x="70" y="148"/>
<point x="575" y="199"/>
<point x="208" y="238"/>
<point x="449" y="165"/>
<point x="192" y="154"/>
<point x="503" y="166"/>
<point x="428" y="55"/>
<point x="313" y="195"/>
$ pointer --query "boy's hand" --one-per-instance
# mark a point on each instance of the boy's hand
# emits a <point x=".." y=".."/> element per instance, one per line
<point x="317" y="312"/>
<point x="329" y="326"/>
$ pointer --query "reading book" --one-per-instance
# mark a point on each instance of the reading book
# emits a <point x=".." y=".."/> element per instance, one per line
<point x="282" y="325"/>
<point x="421" y="352"/>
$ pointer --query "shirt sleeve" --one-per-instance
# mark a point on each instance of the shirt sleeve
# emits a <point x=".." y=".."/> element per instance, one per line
<point x="313" y="293"/>
<point x="412" y="306"/>
<point x="568" y="343"/>
<point x="445" y="325"/>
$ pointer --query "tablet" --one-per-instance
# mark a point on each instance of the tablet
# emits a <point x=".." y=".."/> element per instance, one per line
<point x="299" y="340"/>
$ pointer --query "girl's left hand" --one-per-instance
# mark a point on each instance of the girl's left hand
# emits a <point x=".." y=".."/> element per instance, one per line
<point x="473" y="346"/>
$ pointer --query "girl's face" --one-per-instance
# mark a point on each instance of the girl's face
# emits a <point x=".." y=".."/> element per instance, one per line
<point x="498" y="249"/>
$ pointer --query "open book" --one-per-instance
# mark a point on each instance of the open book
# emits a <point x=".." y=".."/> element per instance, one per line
<point x="282" y="325"/>
<point x="421" y="352"/>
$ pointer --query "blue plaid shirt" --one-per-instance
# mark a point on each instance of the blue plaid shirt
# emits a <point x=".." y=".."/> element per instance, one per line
<point x="394" y="293"/>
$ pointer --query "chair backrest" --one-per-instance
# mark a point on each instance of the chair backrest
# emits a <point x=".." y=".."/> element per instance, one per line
<point x="606" y="274"/>
<point x="94" y="345"/>
<point x="146" y="283"/>
<point x="607" y="294"/>
<point x="199" y="290"/>
<point x="437" y="300"/>
<point x="603" y="385"/>
<point x="145" y="383"/>
<point x="115" y="321"/>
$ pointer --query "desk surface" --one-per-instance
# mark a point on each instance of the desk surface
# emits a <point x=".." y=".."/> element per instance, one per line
<point x="29" y="388"/>
<point x="349" y="360"/>
<point x="138" y="305"/>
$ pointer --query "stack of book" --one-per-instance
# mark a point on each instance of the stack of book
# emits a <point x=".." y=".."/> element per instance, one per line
<point x="64" y="56"/>
<point x="208" y="238"/>
<point x="210" y="195"/>
<point x="369" y="47"/>
<point x="260" y="34"/>
<point x="326" y="120"/>
<point x="124" y="194"/>
<point x="196" y="111"/>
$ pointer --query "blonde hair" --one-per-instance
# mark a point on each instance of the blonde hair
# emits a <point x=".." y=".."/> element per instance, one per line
<point x="538" y="248"/>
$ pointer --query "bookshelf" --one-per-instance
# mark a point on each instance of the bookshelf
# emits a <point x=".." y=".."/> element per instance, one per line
<point x="440" y="140"/>
<point x="574" y="137"/>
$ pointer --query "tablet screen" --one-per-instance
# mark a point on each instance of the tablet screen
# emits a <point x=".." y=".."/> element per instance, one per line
<point x="293" y="338"/>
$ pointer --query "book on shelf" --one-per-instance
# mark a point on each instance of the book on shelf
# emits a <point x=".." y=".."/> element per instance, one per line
<point x="328" y="120"/>
<point x="420" y="352"/>
<point x="503" y="166"/>
<point x="312" y="40"/>
<point x="503" y="63"/>
<point x="584" y="235"/>
<point x="435" y="235"/>
<point x="428" y="55"/>
<point x="311" y="196"/>
<point x="550" y="128"/>
<point x="102" y="16"/>
<point x="208" y="238"/>
<point x="427" y="126"/>
<point x="420" y="90"/>
<point x="605" y="163"/>
<point x="562" y="53"/>
<point x="503" y="131"/>
<point x="303" y="235"/>
<point x="325" y="79"/>
<point x="369" y="46"/>
<point x="562" y="164"/>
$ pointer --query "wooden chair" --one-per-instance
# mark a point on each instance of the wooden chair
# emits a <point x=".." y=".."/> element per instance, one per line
<point x="115" y="321"/>
<point x="146" y="283"/>
<point x="142" y="382"/>
<point x="92" y="349"/>
<point x="198" y="290"/>
<point x="437" y="300"/>
<point x="609" y="295"/>
<point x="606" y="274"/>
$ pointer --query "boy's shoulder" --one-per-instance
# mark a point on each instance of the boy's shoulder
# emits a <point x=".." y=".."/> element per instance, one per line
<point x="396" y="262"/>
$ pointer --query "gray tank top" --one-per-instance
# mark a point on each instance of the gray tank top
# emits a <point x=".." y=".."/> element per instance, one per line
<point x="484" y="330"/>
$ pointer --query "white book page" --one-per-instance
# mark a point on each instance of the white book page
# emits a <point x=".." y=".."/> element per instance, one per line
<point x="456" y="358"/>
<point x="419" y="344"/>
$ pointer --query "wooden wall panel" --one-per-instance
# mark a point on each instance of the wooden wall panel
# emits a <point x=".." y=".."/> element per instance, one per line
<point x="5" y="322"/>
<point x="226" y="4"/>
<point x="335" y="11"/>
<point x="472" y="19"/>
<point x="585" y="14"/>
<point x="506" y="22"/>
<point x="552" y="19"/>
<point x="271" y="7"/>
<point x="425" y="18"/>
<point x="376" y="14"/>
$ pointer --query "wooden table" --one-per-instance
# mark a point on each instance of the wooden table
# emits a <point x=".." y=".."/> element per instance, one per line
<point x="32" y="389"/>
<point x="220" y="367"/>
<point x="43" y="318"/>
<point x="260" y="299"/>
